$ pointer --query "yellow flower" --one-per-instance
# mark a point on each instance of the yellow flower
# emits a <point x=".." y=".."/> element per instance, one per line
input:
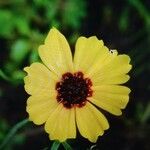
<point x="64" y="90"/>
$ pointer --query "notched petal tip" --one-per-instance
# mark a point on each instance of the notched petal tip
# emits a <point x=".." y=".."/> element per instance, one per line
<point x="91" y="39"/>
<point x="129" y="90"/>
<point x="30" y="117"/>
<point x="26" y="69"/>
<point x="126" y="58"/>
<point x="95" y="39"/>
<point x="130" y="67"/>
<point x="37" y="122"/>
<point x="94" y="139"/>
<point x="119" y="113"/>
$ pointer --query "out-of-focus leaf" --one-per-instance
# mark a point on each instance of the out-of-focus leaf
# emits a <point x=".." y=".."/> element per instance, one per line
<point x="19" y="50"/>
<point x="10" y="137"/>
<point x="22" y="25"/>
<point x="146" y="114"/>
<point x="72" y="13"/>
<point x="41" y="2"/>
<point x="56" y="24"/>
<point x="143" y="11"/>
<point x="4" y="76"/>
<point x="6" y="23"/>
<point x="139" y="111"/>
<point x="3" y="129"/>
<point x="19" y="139"/>
<point x="34" y="56"/>
<point x="18" y="75"/>
<point x="1" y="92"/>
<point x="107" y="14"/>
<point x="52" y="12"/>
<point x="124" y="20"/>
<point x="52" y="8"/>
<point x="73" y="38"/>
<point x="10" y="66"/>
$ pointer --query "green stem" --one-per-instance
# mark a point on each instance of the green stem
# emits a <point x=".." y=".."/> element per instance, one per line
<point x="146" y="114"/>
<point x="13" y="132"/>
<point x="55" y="145"/>
<point x="66" y="146"/>
<point x="143" y="11"/>
<point x="4" y="76"/>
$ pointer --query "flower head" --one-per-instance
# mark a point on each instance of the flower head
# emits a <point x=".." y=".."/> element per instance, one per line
<point x="64" y="90"/>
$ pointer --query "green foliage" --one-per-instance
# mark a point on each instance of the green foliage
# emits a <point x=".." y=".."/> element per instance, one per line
<point x="141" y="10"/>
<point x="3" y="129"/>
<point x="10" y="137"/>
<point x="124" y="20"/>
<point x="6" y="23"/>
<point x="25" y="23"/>
<point x="22" y="24"/>
<point x="19" y="50"/>
<point x="74" y="11"/>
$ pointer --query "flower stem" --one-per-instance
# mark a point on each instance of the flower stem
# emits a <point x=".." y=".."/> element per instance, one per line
<point x="146" y="114"/>
<point x="67" y="146"/>
<point x="55" y="145"/>
<point x="4" y="76"/>
<point x="13" y="132"/>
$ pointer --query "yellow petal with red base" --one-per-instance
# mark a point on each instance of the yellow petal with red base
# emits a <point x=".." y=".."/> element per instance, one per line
<point x="56" y="53"/>
<point x="61" y="124"/>
<point x="91" y="122"/>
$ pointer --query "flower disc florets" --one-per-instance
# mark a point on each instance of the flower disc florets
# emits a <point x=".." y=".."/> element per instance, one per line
<point x="73" y="89"/>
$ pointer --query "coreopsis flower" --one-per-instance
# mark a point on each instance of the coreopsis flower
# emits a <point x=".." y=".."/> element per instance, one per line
<point x="64" y="90"/>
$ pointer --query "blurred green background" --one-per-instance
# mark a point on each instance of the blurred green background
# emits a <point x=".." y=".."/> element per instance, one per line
<point x="122" y="24"/>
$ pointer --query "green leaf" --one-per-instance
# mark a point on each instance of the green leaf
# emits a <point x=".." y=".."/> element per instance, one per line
<point x="18" y="75"/>
<point x="124" y="20"/>
<point x="52" y="10"/>
<point x="4" y="76"/>
<point x="3" y="128"/>
<point x="34" y="56"/>
<point x="22" y="25"/>
<point x="19" y="50"/>
<point x="74" y="11"/>
<point x="19" y="139"/>
<point x="55" y="145"/>
<point x="6" y="23"/>
<point x="146" y="114"/>
<point x="12" y="132"/>
<point x="143" y="11"/>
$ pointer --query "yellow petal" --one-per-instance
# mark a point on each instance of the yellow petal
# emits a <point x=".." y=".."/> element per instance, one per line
<point x="90" y="122"/>
<point x="55" y="53"/>
<point x="102" y="61"/>
<point x="111" y="80"/>
<point x="106" y="106"/>
<point x="87" y="52"/>
<point x="39" y="79"/>
<point x="113" y="95"/>
<point x="61" y="124"/>
<point x="114" y="89"/>
<point x="40" y="107"/>
<point x="112" y="71"/>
